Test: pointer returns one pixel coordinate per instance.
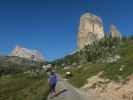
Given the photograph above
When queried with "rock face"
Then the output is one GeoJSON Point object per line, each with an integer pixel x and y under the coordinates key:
{"type": "Point", "coordinates": [105, 89]}
{"type": "Point", "coordinates": [90, 30]}
{"type": "Point", "coordinates": [27, 53]}
{"type": "Point", "coordinates": [114, 32]}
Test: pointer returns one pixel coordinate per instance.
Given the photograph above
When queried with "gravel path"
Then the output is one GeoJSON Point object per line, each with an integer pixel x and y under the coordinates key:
{"type": "Point", "coordinates": [71, 93]}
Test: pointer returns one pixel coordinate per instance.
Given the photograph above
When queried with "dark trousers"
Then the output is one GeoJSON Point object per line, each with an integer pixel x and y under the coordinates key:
{"type": "Point", "coordinates": [52, 87]}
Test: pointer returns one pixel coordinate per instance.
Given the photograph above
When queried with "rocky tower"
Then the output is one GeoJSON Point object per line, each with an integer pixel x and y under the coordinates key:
{"type": "Point", "coordinates": [27, 53]}
{"type": "Point", "coordinates": [114, 32]}
{"type": "Point", "coordinates": [90, 30]}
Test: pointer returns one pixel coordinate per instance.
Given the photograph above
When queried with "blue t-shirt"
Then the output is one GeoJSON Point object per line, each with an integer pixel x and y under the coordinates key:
{"type": "Point", "coordinates": [52, 79]}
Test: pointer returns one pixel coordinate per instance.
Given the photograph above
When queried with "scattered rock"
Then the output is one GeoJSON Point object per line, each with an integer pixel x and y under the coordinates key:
{"type": "Point", "coordinates": [111, 59]}
{"type": "Point", "coordinates": [121, 68]}
{"type": "Point", "coordinates": [109, 90]}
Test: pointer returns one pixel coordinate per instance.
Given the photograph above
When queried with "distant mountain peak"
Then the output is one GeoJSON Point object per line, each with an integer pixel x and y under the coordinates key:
{"type": "Point", "coordinates": [27, 53]}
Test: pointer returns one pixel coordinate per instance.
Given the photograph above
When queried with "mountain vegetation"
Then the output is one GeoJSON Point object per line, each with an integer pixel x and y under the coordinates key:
{"type": "Point", "coordinates": [91, 53]}
{"type": "Point", "coordinates": [22, 81]}
{"type": "Point", "coordinates": [111, 56]}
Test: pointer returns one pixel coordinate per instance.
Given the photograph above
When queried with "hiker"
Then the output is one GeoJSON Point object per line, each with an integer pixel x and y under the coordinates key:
{"type": "Point", "coordinates": [68, 75]}
{"type": "Point", "coordinates": [52, 79]}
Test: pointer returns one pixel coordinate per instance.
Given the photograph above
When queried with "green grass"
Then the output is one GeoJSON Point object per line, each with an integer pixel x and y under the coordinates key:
{"type": "Point", "coordinates": [23, 87]}
{"type": "Point", "coordinates": [110, 70]}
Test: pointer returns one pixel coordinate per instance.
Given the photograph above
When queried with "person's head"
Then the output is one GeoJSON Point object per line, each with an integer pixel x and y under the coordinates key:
{"type": "Point", "coordinates": [52, 72]}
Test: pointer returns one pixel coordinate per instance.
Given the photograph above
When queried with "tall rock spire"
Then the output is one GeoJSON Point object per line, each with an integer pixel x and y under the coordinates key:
{"type": "Point", "coordinates": [114, 32]}
{"type": "Point", "coordinates": [90, 30]}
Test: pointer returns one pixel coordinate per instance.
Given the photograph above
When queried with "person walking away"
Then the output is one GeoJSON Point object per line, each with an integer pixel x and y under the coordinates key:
{"type": "Point", "coordinates": [52, 79]}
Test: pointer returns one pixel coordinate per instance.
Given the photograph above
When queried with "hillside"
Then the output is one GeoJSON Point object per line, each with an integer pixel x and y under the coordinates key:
{"type": "Point", "coordinates": [103, 74]}
{"type": "Point", "coordinates": [110, 70]}
{"type": "Point", "coordinates": [21, 80]}
{"type": "Point", "coordinates": [23, 87]}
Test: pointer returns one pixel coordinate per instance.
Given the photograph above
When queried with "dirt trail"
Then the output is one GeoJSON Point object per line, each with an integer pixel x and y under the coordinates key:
{"type": "Point", "coordinates": [71, 93]}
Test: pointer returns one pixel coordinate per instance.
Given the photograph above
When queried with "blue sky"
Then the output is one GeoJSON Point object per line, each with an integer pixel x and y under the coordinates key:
{"type": "Point", "coordinates": [51, 26]}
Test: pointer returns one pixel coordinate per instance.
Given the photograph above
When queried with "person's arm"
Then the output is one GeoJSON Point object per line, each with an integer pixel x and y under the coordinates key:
{"type": "Point", "coordinates": [57, 78]}
{"type": "Point", "coordinates": [49, 79]}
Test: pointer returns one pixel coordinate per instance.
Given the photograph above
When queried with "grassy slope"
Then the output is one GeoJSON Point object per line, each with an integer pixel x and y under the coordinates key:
{"type": "Point", "coordinates": [23, 87]}
{"type": "Point", "coordinates": [111, 71]}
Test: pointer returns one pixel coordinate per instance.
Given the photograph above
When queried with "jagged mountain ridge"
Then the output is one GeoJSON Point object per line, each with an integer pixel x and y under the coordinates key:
{"type": "Point", "coordinates": [27, 53]}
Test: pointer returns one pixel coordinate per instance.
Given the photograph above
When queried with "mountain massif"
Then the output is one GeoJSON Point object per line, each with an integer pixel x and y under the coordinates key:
{"type": "Point", "coordinates": [27, 53]}
{"type": "Point", "coordinates": [91, 29]}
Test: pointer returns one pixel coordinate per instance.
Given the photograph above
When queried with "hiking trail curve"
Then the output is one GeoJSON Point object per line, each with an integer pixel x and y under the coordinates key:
{"type": "Point", "coordinates": [70, 93]}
